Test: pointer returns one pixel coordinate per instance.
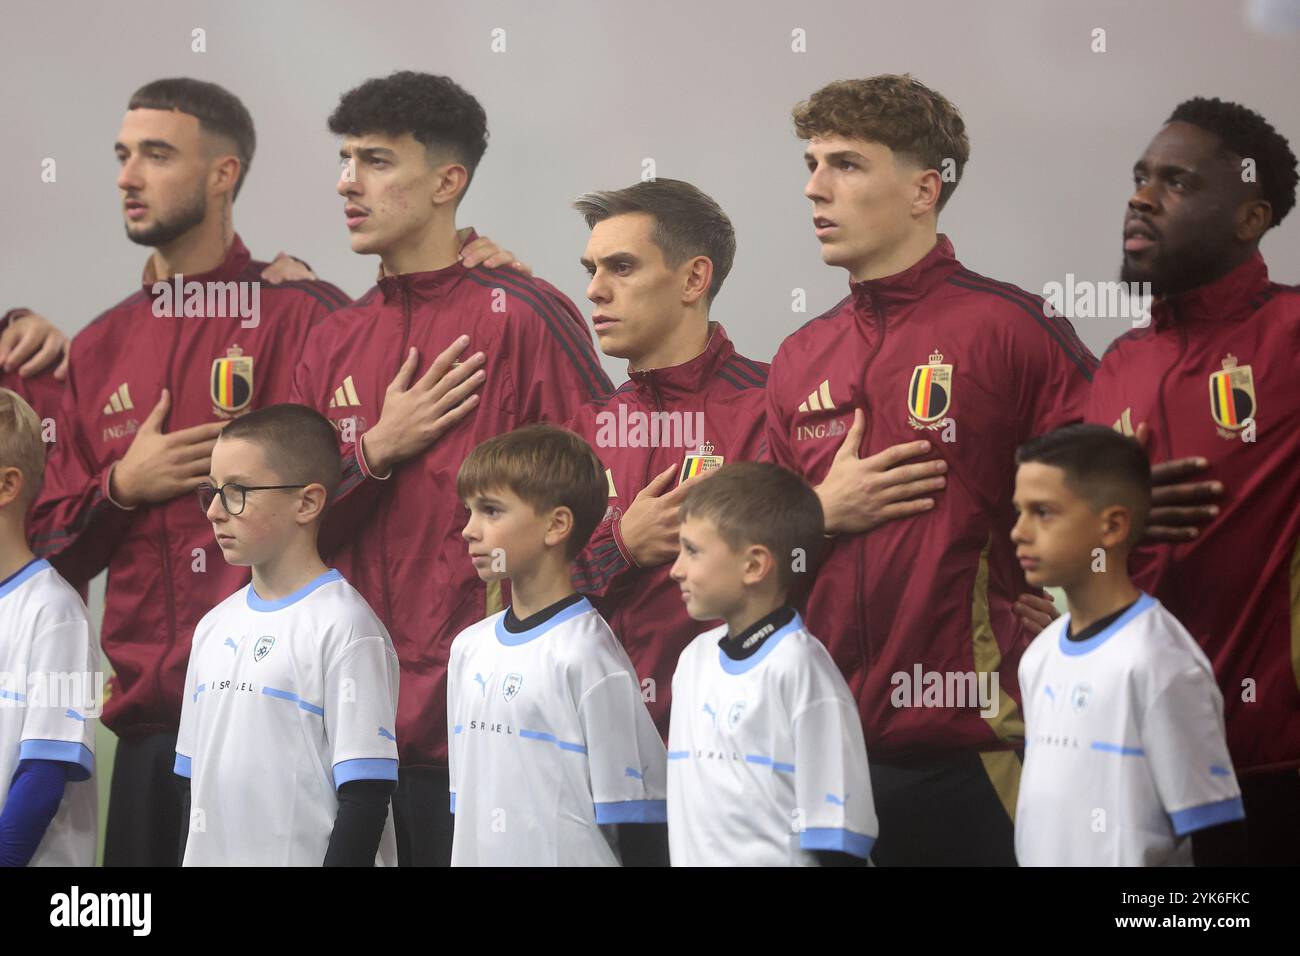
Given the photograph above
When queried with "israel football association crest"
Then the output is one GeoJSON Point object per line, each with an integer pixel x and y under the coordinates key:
{"type": "Point", "coordinates": [1232, 397]}
{"type": "Point", "coordinates": [263, 647]}
{"type": "Point", "coordinates": [929, 394]}
{"type": "Point", "coordinates": [703, 460]}
{"type": "Point", "coordinates": [511, 685]}
{"type": "Point", "coordinates": [232, 382]}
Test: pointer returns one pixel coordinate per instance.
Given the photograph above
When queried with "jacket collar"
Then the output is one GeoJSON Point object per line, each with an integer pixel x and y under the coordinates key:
{"type": "Point", "coordinates": [913, 283]}
{"type": "Point", "coordinates": [231, 268]}
{"type": "Point", "coordinates": [689, 377]}
{"type": "Point", "coordinates": [1229, 298]}
{"type": "Point", "coordinates": [423, 285]}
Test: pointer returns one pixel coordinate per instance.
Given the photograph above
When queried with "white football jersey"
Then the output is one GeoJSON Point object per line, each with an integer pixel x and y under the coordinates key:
{"type": "Point", "coordinates": [50, 697]}
{"type": "Point", "coordinates": [285, 702]}
{"type": "Point", "coordinates": [549, 741]}
{"type": "Point", "coordinates": [766, 758]}
{"type": "Point", "coordinates": [1124, 745]}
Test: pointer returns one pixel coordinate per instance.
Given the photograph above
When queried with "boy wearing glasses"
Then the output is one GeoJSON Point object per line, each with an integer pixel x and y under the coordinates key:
{"type": "Point", "coordinates": [286, 741]}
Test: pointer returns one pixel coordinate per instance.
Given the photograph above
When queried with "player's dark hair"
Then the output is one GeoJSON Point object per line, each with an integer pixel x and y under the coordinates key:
{"type": "Point", "coordinates": [687, 222]}
{"type": "Point", "coordinates": [219, 112]}
{"type": "Point", "coordinates": [754, 502]}
{"type": "Point", "coordinates": [1101, 466]}
{"type": "Point", "coordinates": [434, 109]}
{"type": "Point", "coordinates": [299, 443]}
{"type": "Point", "coordinates": [1247, 134]}
{"type": "Point", "coordinates": [545, 466]}
{"type": "Point", "coordinates": [897, 111]}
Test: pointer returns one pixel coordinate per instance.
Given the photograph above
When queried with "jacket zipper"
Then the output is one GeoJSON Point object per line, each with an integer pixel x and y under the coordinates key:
{"type": "Point", "coordinates": [864, 637]}
{"type": "Point", "coordinates": [1164, 415]}
{"type": "Point", "coordinates": [383, 518]}
{"type": "Point", "coordinates": [164, 544]}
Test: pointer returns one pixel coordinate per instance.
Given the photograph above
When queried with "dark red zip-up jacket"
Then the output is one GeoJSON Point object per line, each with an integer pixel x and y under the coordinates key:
{"type": "Point", "coordinates": [398, 540]}
{"type": "Point", "coordinates": [1215, 376]}
{"type": "Point", "coordinates": [974, 366]}
{"type": "Point", "coordinates": [165, 570]}
{"type": "Point", "coordinates": [644, 605]}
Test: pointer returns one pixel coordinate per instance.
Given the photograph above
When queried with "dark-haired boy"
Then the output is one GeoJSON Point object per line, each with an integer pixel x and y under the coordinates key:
{"type": "Point", "coordinates": [553, 755]}
{"type": "Point", "coordinates": [767, 763]}
{"type": "Point", "coordinates": [291, 694]}
{"type": "Point", "coordinates": [1125, 754]}
{"type": "Point", "coordinates": [411, 144]}
{"type": "Point", "coordinates": [1210, 384]}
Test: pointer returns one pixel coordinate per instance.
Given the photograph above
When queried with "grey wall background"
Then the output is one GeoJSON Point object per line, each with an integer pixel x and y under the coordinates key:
{"type": "Point", "coordinates": [586, 90]}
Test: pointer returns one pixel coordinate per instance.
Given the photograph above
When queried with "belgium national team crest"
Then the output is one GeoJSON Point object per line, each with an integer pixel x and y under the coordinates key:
{"type": "Point", "coordinates": [232, 382]}
{"type": "Point", "coordinates": [929, 394]}
{"type": "Point", "coordinates": [1232, 397]}
{"type": "Point", "coordinates": [702, 461]}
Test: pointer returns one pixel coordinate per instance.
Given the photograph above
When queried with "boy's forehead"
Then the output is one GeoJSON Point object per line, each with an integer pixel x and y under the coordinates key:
{"type": "Point", "coordinates": [234, 458]}
{"type": "Point", "coordinates": [1038, 478]}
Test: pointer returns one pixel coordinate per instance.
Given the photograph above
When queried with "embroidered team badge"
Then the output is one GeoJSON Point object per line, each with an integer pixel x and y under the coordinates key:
{"type": "Point", "coordinates": [929, 394]}
{"type": "Point", "coordinates": [510, 687]}
{"type": "Point", "coordinates": [1232, 397]}
{"type": "Point", "coordinates": [263, 647]}
{"type": "Point", "coordinates": [232, 382]}
{"type": "Point", "coordinates": [703, 460]}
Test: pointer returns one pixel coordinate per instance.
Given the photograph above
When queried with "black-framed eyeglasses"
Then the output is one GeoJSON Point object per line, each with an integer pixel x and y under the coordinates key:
{"type": "Point", "coordinates": [233, 495]}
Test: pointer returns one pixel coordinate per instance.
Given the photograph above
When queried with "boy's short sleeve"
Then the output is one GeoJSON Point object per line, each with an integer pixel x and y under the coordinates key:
{"type": "Point", "coordinates": [832, 783]}
{"type": "Point", "coordinates": [62, 698]}
{"type": "Point", "coordinates": [360, 704]}
{"type": "Point", "coordinates": [453, 730]}
{"type": "Point", "coordinates": [187, 735]}
{"type": "Point", "coordinates": [1183, 736]}
{"type": "Point", "coordinates": [626, 756]}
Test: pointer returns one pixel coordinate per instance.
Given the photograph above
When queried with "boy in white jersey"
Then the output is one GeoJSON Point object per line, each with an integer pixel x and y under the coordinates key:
{"type": "Point", "coordinates": [1125, 755]}
{"type": "Point", "coordinates": [49, 676]}
{"type": "Point", "coordinates": [767, 765]}
{"type": "Point", "coordinates": [554, 759]}
{"type": "Point", "coordinates": [286, 733]}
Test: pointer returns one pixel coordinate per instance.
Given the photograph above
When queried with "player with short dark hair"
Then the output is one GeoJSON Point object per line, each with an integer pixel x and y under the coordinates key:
{"type": "Point", "coordinates": [554, 760]}
{"type": "Point", "coordinates": [290, 674]}
{"type": "Point", "coordinates": [658, 254]}
{"type": "Point", "coordinates": [767, 764]}
{"type": "Point", "coordinates": [923, 358]}
{"type": "Point", "coordinates": [152, 382]}
{"type": "Point", "coordinates": [1125, 756]}
{"type": "Point", "coordinates": [1209, 384]}
{"type": "Point", "coordinates": [410, 144]}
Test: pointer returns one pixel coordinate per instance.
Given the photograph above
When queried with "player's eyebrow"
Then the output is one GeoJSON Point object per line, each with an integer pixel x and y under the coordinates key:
{"type": "Point", "coordinates": [367, 152]}
{"type": "Point", "coordinates": [482, 500]}
{"type": "Point", "coordinates": [614, 258]}
{"type": "Point", "coordinates": [160, 144]}
{"type": "Point", "coordinates": [836, 156]}
{"type": "Point", "coordinates": [1165, 170]}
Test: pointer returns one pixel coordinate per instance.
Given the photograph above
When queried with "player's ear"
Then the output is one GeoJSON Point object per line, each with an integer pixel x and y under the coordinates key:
{"type": "Point", "coordinates": [560, 526]}
{"type": "Point", "coordinates": [758, 564]}
{"type": "Point", "coordinates": [1116, 525]}
{"type": "Point", "coordinates": [927, 185]}
{"type": "Point", "coordinates": [312, 503]}
{"type": "Point", "coordinates": [11, 486]}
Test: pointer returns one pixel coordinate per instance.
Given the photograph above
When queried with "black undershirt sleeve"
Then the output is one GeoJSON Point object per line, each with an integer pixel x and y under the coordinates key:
{"type": "Point", "coordinates": [643, 844]}
{"type": "Point", "coordinates": [359, 824]}
{"type": "Point", "coordinates": [183, 785]}
{"type": "Point", "coordinates": [836, 858]}
{"type": "Point", "coordinates": [1222, 845]}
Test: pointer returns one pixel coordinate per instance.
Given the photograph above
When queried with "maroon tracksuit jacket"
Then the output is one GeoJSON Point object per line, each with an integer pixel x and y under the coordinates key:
{"type": "Point", "coordinates": [973, 365]}
{"type": "Point", "coordinates": [1216, 376]}
{"type": "Point", "coordinates": [165, 570]}
{"type": "Point", "coordinates": [644, 605]}
{"type": "Point", "coordinates": [398, 540]}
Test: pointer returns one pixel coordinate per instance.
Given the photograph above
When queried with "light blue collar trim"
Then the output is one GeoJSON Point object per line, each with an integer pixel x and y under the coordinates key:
{"type": "Point", "coordinates": [523, 637]}
{"type": "Point", "coordinates": [258, 603]}
{"type": "Point", "coordinates": [749, 663]}
{"type": "Point", "coordinates": [15, 580]}
{"type": "Point", "coordinates": [1075, 648]}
